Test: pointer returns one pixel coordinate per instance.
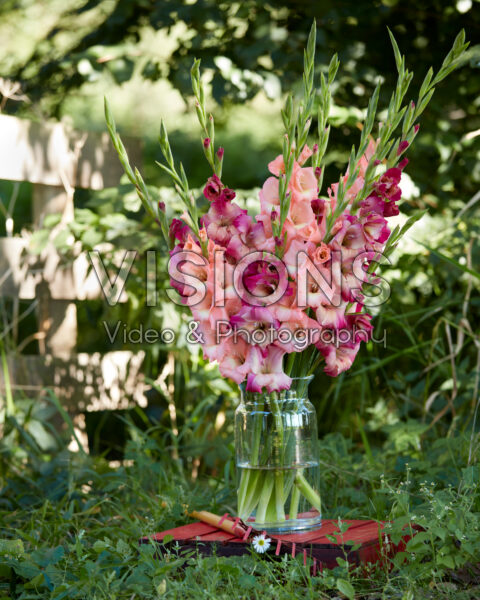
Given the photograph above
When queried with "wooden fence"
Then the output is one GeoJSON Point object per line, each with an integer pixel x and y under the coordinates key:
{"type": "Point", "coordinates": [57, 160]}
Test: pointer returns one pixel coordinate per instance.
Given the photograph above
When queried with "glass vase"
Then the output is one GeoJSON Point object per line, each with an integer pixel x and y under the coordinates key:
{"type": "Point", "coordinates": [276, 444]}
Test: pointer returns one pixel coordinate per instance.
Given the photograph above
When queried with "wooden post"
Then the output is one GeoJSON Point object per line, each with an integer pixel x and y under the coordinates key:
{"type": "Point", "coordinates": [57, 319]}
{"type": "Point", "coordinates": [56, 160]}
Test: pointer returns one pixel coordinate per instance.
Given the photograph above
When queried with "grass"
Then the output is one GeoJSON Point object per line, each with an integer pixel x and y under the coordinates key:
{"type": "Point", "coordinates": [70, 522]}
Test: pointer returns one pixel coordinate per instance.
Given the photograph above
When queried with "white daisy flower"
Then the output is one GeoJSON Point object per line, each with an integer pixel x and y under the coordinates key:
{"type": "Point", "coordinates": [261, 543]}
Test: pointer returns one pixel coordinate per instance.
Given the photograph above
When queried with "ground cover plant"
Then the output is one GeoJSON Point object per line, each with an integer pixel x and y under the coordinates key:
{"type": "Point", "coordinates": [399, 434]}
{"type": "Point", "coordinates": [70, 522]}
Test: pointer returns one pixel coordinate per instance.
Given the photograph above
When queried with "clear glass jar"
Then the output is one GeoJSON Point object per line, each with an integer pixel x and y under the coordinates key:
{"type": "Point", "coordinates": [276, 445]}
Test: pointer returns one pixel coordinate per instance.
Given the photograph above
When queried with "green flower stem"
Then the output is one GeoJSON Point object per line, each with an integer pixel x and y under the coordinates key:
{"type": "Point", "coordinates": [257, 434]}
{"type": "Point", "coordinates": [265, 497]}
{"type": "Point", "coordinates": [242, 491]}
{"type": "Point", "coordinates": [306, 489]}
{"type": "Point", "coordinates": [279, 496]}
{"type": "Point", "coordinates": [249, 479]}
{"type": "Point", "coordinates": [279, 456]}
{"type": "Point", "coordinates": [252, 497]}
{"type": "Point", "coordinates": [271, 514]}
{"type": "Point", "coordinates": [294, 501]}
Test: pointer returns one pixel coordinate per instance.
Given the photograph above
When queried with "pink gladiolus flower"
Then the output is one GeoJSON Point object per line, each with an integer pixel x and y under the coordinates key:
{"type": "Point", "coordinates": [256, 319]}
{"type": "Point", "coordinates": [260, 278]}
{"type": "Point", "coordinates": [366, 158]}
{"type": "Point", "coordinates": [213, 189]}
{"type": "Point", "coordinates": [270, 375]}
{"type": "Point", "coordinates": [375, 228]}
{"type": "Point", "coordinates": [303, 183]}
{"type": "Point", "coordinates": [220, 220]}
{"type": "Point", "coordinates": [387, 187]}
{"type": "Point", "coordinates": [325, 290]}
{"type": "Point", "coordinates": [331, 317]}
{"type": "Point", "coordinates": [321, 254]}
{"type": "Point", "coordinates": [296, 255]}
{"type": "Point", "coordinates": [361, 325]}
{"type": "Point", "coordinates": [206, 335]}
{"type": "Point", "coordinates": [202, 234]}
{"type": "Point", "coordinates": [372, 204]}
{"type": "Point", "coordinates": [178, 231]}
{"type": "Point", "coordinates": [219, 316]}
{"type": "Point", "coordinates": [391, 209]}
{"type": "Point", "coordinates": [236, 247]}
{"type": "Point", "coordinates": [277, 166]}
{"type": "Point", "coordinates": [351, 235]}
{"type": "Point", "coordinates": [341, 359]}
{"type": "Point", "coordinates": [301, 214]}
{"type": "Point", "coordinates": [305, 154]}
{"type": "Point", "coordinates": [286, 311]}
{"type": "Point", "coordinates": [228, 194]}
{"type": "Point", "coordinates": [237, 360]}
{"type": "Point", "coordinates": [197, 269]}
{"type": "Point", "coordinates": [269, 196]}
{"type": "Point", "coordinates": [242, 222]}
{"type": "Point", "coordinates": [296, 334]}
{"type": "Point", "coordinates": [338, 359]}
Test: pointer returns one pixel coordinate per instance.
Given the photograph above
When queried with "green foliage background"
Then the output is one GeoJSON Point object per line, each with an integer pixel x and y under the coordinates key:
{"type": "Point", "coordinates": [405, 410]}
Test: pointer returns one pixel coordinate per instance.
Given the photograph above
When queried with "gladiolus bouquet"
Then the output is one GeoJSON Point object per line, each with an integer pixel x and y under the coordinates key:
{"type": "Point", "coordinates": [276, 294]}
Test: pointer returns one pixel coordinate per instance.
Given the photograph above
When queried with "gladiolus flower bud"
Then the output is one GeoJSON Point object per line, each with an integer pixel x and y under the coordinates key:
{"type": "Point", "coordinates": [228, 194]}
{"type": "Point", "coordinates": [220, 152]}
{"type": "Point", "coordinates": [318, 172]}
{"type": "Point", "coordinates": [206, 143]}
{"type": "Point", "coordinates": [161, 206]}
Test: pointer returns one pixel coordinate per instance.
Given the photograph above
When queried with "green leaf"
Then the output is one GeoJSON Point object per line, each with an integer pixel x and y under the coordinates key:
{"type": "Point", "coordinates": [11, 548]}
{"type": "Point", "coordinates": [92, 237]}
{"type": "Point", "coordinates": [99, 546]}
{"type": "Point", "coordinates": [453, 262]}
{"type": "Point", "coordinates": [123, 548]}
{"type": "Point", "coordinates": [396, 51]}
{"type": "Point", "coordinates": [446, 561]}
{"type": "Point", "coordinates": [39, 241]}
{"type": "Point", "coordinates": [37, 581]}
{"type": "Point", "coordinates": [346, 588]}
{"type": "Point", "coordinates": [60, 241]}
{"type": "Point", "coordinates": [51, 220]}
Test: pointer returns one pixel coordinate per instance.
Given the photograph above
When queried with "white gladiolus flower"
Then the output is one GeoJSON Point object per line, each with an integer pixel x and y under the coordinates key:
{"type": "Point", "coordinates": [261, 543]}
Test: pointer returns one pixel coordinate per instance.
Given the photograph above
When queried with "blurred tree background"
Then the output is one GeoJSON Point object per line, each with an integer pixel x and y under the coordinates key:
{"type": "Point", "coordinates": [68, 56]}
